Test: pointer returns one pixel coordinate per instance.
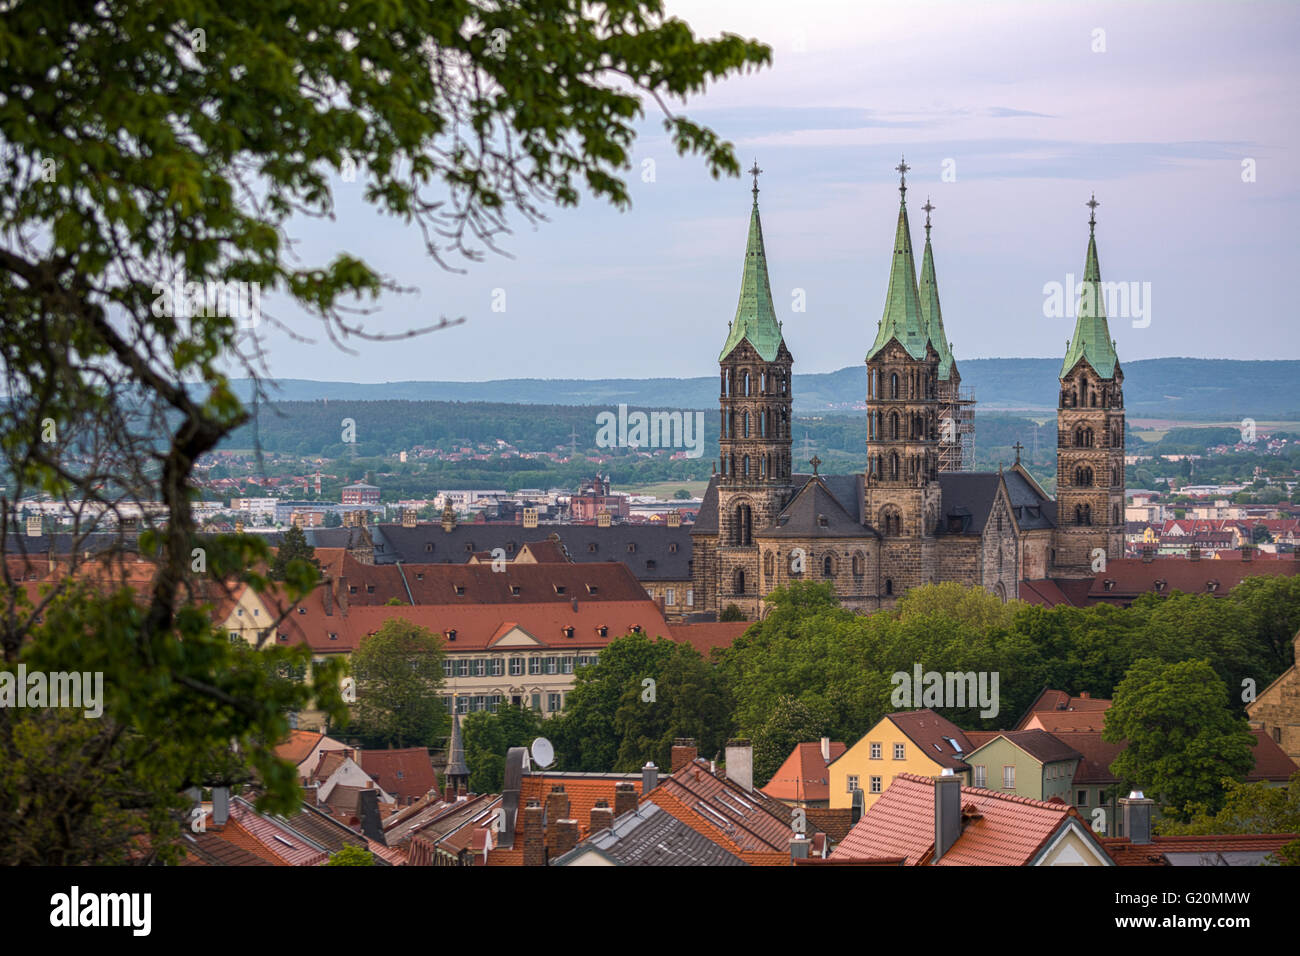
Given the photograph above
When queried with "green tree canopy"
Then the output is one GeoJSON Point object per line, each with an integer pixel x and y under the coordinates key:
{"type": "Point", "coordinates": [489, 736]}
{"type": "Point", "coordinates": [398, 672]}
{"type": "Point", "coordinates": [293, 547]}
{"type": "Point", "coordinates": [1182, 736]}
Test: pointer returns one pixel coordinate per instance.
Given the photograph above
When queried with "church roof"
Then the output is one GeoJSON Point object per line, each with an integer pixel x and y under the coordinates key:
{"type": "Point", "coordinates": [902, 319]}
{"type": "Point", "coordinates": [755, 320]}
{"type": "Point", "coordinates": [815, 512]}
{"type": "Point", "coordinates": [845, 491]}
{"type": "Point", "coordinates": [1032, 510]}
{"type": "Point", "coordinates": [968, 495]}
{"type": "Point", "coordinates": [1092, 342]}
{"type": "Point", "coordinates": [930, 309]}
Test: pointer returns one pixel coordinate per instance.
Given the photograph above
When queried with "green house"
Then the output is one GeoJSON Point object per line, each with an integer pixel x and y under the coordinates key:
{"type": "Point", "coordinates": [1028, 763]}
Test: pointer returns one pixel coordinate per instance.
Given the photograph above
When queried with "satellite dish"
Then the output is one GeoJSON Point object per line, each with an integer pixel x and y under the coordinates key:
{"type": "Point", "coordinates": [543, 752]}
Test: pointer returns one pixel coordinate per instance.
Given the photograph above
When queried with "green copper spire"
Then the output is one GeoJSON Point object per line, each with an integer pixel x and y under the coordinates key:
{"type": "Point", "coordinates": [902, 319]}
{"type": "Point", "coordinates": [755, 315]}
{"type": "Point", "coordinates": [930, 310]}
{"type": "Point", "coordinates": [1092, 340]}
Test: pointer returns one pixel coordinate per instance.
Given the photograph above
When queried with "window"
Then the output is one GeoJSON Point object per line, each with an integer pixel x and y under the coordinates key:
{"type": "Point", "coordinates": [875, 751]}
{"type": "Point", "coordinates": [981, 776]}
{"type": "Point", "coordinates": [900, 752]}
{"type": "Point", "coordinates": [670, 596]}
{"type": "Point", "coordinates": [537, 702]}
{"type": "Point", "coordinates": [875, 785]}
{"type": "Point", "coordinates": [552, 702]}
{"type": "Point", "coordinates": [493, 702]}
{"type": "Point", "coordinates": [496, 667]}
{"type": "Point", "coordinates": [552, 665]}
{"type": "Point", "coordinates": [516, 667]}
{"type": "Point", "coordinates": [690, 597]}
{"type": "Point", "coordinates": [1008, 778]}
{"type": "Point", "coordinates": [534, 665]}
{"type": "Point", "coordinates": [566, 665]}
{"type": "Point", "coordinates": [1081, 798]}
{"type": "Point", "coordinates": [650, 564]}
{"type": "Point", "coordinates": [446, 667]}
{"type": "Point", "coordinates": [460, 668]}
{"type": "Point", "coordinates": [462, 705]}
{"type": "Point", "coordinates": [853, 783]}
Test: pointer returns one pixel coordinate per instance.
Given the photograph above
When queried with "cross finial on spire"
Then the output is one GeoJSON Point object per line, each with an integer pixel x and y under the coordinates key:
{"type": "Point", "coordinates": [902, 168]}
{"type": "Point", "coordinates": [1019, 448]}
{"type": "Point", "coordinates": [1092, 205]}
{"type": "Point", "coordinates": [815, 462]}
{"type": "Point", "coordinates": [755, 171]}
{"type": "Point", "coordinates": [928, 207]}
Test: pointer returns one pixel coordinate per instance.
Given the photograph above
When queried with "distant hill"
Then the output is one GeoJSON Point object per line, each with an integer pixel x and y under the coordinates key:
{"type": "Point", "coordinates": [1187, 389]}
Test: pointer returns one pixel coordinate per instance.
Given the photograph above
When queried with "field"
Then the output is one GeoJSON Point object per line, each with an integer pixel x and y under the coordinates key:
{"type": "Point", "coordinates": [666, 489]}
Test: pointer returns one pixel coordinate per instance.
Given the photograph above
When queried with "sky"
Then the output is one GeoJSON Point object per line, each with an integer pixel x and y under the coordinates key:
{"type": "Point", "coordinates": [1183, 119]}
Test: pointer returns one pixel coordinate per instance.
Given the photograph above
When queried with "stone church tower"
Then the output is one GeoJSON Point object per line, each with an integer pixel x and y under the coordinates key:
{"type": "Point", "coordinates": [1090, 434]}
{"type": "Point", "coordinates": [901, 487]}
{"type": "Point", "coordinates": [754, 475]}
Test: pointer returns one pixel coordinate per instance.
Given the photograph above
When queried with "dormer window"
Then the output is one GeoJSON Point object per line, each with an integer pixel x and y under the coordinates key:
{"type": "Point", "coordinates": [333, 636]}
{"type": "Point", "coordinates": [459, 589]}
{"type": "Point", "coordinates": [603, 631]}
{"type": "Point", "coordinates": [821, 521]}
{"type": "Point", "coordinates": [1211, 586]}
{"type": "Point", "coordinates": [451, 634]}
{"type": "Point", "coordinates": [650, 564]}
{"type": "Point", "coordinates": [560, 589]}
{"type": "Point", "coordinates": [1160, 584]}
{"type": "Point", "coordinates": [636, 628]}
{"type": "Point", "coordinates": [428, 546]}
{"type": "Point", "coordinates": [302, 610]}
{"type": "Point", "coordinates": [672, 547]}
{"type": "Point", "coordinates": [370, 589]}
{"type": "Point", "coordinates": [514, 590]}
{"type": "Point", "coordinates": [591, 546]}
{"type": "Point", "coordinates": [592, 588]}
{"type": "Point", "coordinates": [568, 631]}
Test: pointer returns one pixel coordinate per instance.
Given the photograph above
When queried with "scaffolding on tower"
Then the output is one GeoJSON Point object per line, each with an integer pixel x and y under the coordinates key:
{"type": "Point", "coordinates": [956, 427]}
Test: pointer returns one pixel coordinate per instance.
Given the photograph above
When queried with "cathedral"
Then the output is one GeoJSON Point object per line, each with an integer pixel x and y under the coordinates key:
{"type": "Point", "coordinates": [916, 514]}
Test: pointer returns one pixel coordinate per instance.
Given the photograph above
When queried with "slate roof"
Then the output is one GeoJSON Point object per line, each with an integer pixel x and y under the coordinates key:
{"type": "Point", "coordinates": [651, 543]}
{"type": "Point", "coordinates": [1032, 510]}
{"type": "Point", "coordinates": [814, 512]}
{"type": "Point", "coordinates": [1041, 745]}
{"type": "Point", "coordinates": [650, 836]}
{"type": "Point", "coordinates": [844, 490]}
{"type": "Point", "coordinates": [968, 495]}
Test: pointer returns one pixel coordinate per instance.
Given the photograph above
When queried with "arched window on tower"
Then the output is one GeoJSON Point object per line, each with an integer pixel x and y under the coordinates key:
{"type": "Point", "coordinates": [738, 581]}
{"type": "Point", "coordinates": [893, 466]}
{"type": "Point", "coordinates": [828, 567]}
{"type": "Point", "coordinates": [858, 564]}
{"type": "Point", "coordinates": [726, 383]}
{"type": "Point", "coordinates": [893, 385]}
{"type": "Point", "coordinates": [893, 425]}
{"type": "Point", "coordinates": [744, 424]}
{"type": "Point", "coordinates": [762, 382]}
{"type": "Point", "coordinates": [768, 565]}
{"type": "Point", "coordinates": [1083, 437]}
{"type": "Point", "coordinates": [1083, 476]}
{"type": "Point", "coordinates": [745, 473]}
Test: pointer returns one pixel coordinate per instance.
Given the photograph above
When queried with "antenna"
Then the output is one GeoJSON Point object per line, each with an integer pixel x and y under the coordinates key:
{"type": "Point", "coordinates": [543, 753]}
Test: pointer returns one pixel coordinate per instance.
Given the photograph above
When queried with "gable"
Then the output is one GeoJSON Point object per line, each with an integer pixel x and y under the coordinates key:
{"type": "Point", "coordinates": [512, 635]}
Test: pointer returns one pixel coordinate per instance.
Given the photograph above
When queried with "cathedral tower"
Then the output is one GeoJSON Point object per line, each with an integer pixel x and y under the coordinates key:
{"type": "Point", "coordinates": [754, 471]}
{"type": "Point", "coordinates": [1090, 434]}
{"type": "Point", "coordinates": [956, 407]}
{"type": "Point", "coordinates": [901, 485]}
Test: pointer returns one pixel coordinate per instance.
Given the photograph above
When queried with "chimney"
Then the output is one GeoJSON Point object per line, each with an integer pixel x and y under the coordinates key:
{"type": "Point", "coordinates": [1246, 552]}
{"type": "Point", "coordinates": [602, 817]}
{"type": "Point", "coordinates": [557, 807]}
{"type": "Point", "coordinates": [409, 517]}
{"type": "Point", "coordinates": [1136, 810]}
{"type": "Point", "coordinates": [1148, 554]}
{"type": "Point", "coordinates": [947, 812]}
{"type": "Point", "coordinates": [674, 519]}
{"type": "Point", "coordinates": [859, 802]}
{"type": "Point", "coordinates": [826, 750]}
{"type": "Point", "coordinates": [534, 837]}
{"type": "Point", "coordinates": [740, 763]}
{"type": "Point", "coordinates": [684, 752]}
{"type": "Point", "coordinates": [566, 837]}
{"type": "Point", "coordinates": [368, 810]}
{"type": "Point", "coordinates": [220, 806]}
{"type": "Point", "coordinates": [649, 777]}
{"type": "Point", "coordinates": [799, 847]}
{"type": "Point", "coordinates": [343, 594]}
{"type": "Point", "coordinates": [327, 596]}
{"type": "Point", "coordinates": [624, 799]}
{"type": "Point", "coordinates": [1194, 553]}
{"type": "Point", "coordinates": [449, 793]}
{"type": "Point", "coordinates": [461, 792]}
{"type": "Point", "coordinates": [33, 526]}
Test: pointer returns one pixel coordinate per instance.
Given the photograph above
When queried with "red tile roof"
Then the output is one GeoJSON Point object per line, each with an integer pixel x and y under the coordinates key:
{"type": "Point", "coordinates": [1130, 577]}
{"type": "Point", "coordinates": [803, 775]}
{"type": "Point", "coordinates": [997, 830]}
{"type": "Point", "coordinates": [406, 774]}
{"type": "Point", "coordinates": [705, 637]}
{"type": "Point", "coordinates": [932, 733]}
{"type": "Point", "coordinates": [1126, 853]}
{"type": "Point", "coordinates": [298, 746]}
{"type": "Point", "coordinates": [1271, 762]}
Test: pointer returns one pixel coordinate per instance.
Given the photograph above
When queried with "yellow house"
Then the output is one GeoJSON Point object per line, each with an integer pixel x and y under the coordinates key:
{"type": "Point", "coordinates": [909, 741]}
